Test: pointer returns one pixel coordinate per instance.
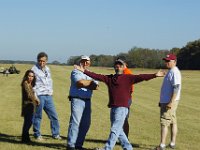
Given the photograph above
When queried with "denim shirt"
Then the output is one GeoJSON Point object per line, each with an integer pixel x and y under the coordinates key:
{"type": "Point", "coordinates": [77, 75]}
{"type": "Point", "coordinates": [44, 83]}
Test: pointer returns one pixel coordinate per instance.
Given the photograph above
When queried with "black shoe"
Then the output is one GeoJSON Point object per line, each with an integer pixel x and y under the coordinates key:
{"type": "Point", "coordinates": [80, 148]}
{"type": "Point", "coordinates": [70, 148]}
{"type": "Point", "coordinates": [25, 140]}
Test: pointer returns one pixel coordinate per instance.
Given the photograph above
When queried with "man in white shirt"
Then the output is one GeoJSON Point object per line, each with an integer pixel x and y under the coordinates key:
{"type": "Point", "coordinates": [169, 99]}
{"type": "Point", "coordinates": [44, 91]}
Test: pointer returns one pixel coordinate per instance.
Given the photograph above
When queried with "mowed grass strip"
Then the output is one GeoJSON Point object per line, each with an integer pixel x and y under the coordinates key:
{"type": "Point", "coordinates": [143, 119]}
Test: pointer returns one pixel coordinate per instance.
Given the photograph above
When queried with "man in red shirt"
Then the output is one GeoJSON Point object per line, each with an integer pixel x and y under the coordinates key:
{"type": "Point", "coordinates": [119, 87]}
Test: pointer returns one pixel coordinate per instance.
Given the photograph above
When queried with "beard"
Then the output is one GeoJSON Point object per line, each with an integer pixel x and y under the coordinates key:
{"type": "Point", "coordinates": [117, 71]}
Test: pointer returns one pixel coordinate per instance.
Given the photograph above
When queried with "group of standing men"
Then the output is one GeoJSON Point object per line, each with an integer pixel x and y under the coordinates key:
{"type": "Point", "coordinates": [120, 87]}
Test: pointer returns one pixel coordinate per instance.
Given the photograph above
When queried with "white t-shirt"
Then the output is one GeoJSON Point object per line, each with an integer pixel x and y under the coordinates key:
{"type": "Point", "coordinates": [172, 78]}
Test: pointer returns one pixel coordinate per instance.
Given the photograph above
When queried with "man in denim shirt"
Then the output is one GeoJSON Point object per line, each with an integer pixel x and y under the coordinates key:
{"type": "Point", "coordinates": [80, 97]}
{"type": "Point", "coordinates": [44, 91]}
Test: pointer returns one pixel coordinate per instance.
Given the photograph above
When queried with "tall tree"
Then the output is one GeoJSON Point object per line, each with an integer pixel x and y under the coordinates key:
{"type": "Point", "coordinates": [189, 56]}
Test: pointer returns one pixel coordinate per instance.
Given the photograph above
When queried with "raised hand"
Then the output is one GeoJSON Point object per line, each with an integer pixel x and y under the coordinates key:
{"type": "Point", "coordinates": [160, 73]}
{"type": "Point", "coordinates": [80, 68]}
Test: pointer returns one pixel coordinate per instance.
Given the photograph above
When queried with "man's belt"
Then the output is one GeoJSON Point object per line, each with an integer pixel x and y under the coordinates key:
{"type": "Point", "coordinates": [85, 99]}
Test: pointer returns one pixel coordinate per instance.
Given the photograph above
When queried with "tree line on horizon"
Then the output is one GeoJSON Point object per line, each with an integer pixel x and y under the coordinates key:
{"type": "Point", "coordinates": [188, 57]}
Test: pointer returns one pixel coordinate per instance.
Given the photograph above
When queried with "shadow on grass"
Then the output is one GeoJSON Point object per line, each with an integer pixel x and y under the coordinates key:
{"type": "Point", "coordinates": [138, 146]}
{"type": "Point", "coordinates": [17, 140]}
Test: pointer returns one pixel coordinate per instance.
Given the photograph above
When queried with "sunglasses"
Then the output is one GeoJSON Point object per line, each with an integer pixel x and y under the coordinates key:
{"type": "Point", "coordinates": [41, 61]}
{"type": "Point", "coordinates": [46, 73]}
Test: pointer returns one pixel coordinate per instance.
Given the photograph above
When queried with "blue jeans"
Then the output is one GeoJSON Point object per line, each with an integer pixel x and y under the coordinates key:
{"type": "Point", "coordinates": [46, 103]}
{"type": "Point", "coordinates": [117, 117]}
{"type": "Point", "coordinates": [79, 123]}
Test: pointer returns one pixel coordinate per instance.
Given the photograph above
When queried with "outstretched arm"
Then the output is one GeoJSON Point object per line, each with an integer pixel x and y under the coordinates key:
{"type": "Point", "coordinates": [160, 73]}
{"type": "Point", "coordinates": [93, 75]}
{"type": "Point", "coordinates": [146, 77]}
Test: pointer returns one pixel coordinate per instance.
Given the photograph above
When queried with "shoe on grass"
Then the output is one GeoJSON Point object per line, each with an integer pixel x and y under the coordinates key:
{"type": "Point", "coordinates": [160, 148]}
{"type": "Point", "coordinates": [39, 138]}
{"type": "Point", "coordinates": [99, 148]}
{"type": "Point", "coordinates": [25, 141]}
{"type": "Point", "coordinates": [70, 148]}
{"type": "Point", "coordinates": [172, 146]}
{"type": "Point", "coordinates": [57, 137]}
{"type": "Point", "coordinates": [80, 148]}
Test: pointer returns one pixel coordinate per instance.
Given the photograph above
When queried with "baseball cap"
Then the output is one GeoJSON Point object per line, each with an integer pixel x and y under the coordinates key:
{"type": "Point", "coordinates": [170, 57]}
{"type": "Point", "coordinates": [119, 61]}
{"type": "Point", "coordinates": [84, 57]}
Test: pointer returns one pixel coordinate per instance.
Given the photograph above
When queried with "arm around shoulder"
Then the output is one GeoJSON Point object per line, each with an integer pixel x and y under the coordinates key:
{"type": "Point", "coordinates": [89, 84]}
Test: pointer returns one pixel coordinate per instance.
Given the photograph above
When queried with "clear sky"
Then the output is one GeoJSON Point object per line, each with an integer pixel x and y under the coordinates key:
{"type": "Point", "coordinates": [65, 28]}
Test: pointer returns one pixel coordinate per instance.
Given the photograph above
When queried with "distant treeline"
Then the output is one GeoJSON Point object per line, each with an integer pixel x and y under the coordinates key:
{"type": "Point", "coordinates": [27, 62]}
{"type": "Point", "coordinates": [16, 62]}
{"type": "Point", "coordinates": [188, 57]}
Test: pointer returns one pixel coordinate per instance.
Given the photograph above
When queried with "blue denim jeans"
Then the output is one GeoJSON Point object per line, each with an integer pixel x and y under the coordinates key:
{"type": "Point", "coordinates": [79, 123]}
{"type": "Point", "coordinates": [117, 117]}
{"type": "Point", "coordinates": [46, 103]}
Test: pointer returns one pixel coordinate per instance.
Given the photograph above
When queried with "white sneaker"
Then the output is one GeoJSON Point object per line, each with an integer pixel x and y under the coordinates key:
{"type": "Point", "coordinates": [57, 137]}
{"type": "Point", "coordinates": [99, 148]}
{"type": "Point", "coordinates": [39, 138]}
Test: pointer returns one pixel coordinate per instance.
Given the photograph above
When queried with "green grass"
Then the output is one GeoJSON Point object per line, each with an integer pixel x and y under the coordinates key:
{"type": "Point", "coordinates": [144, 116]}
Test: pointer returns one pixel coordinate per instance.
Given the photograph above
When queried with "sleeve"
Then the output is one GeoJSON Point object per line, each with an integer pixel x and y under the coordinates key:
{"type": "Point", "coordinates": [76, 76]}
{"type": "Point", "coordinates": [175, 80]}
{"type": "Point", "coordinates": [99, 77]}
{"type": "Point", "coordinates": [29, 91]}
{"type": "Point", "coordinates": [141, 77]}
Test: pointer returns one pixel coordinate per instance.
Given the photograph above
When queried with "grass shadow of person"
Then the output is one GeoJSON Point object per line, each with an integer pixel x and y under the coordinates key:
{"type": "Point", "coordinates": [17, 140]}
{"type": "Point", "coordinates": [137, 146]}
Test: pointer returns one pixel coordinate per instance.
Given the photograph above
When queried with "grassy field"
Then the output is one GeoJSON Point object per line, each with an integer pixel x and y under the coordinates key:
{"type": "Point", "coordinates": [144, 116]}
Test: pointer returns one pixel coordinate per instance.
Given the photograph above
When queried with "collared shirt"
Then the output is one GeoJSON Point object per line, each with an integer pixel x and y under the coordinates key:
{"type": "Point", "coordinates": [76, 76]}
{"type": "Point", "coordinates": [44, 83]}
{"type": "Point", "coordinates": [172, 78]}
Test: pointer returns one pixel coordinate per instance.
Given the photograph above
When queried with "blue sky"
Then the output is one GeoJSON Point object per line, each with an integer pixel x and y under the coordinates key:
{"type": "Point", "coordinates": [65, 28]}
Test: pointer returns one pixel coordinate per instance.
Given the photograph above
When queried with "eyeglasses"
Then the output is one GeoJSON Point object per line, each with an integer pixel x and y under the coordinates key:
{"type": "Point", "coordinates": [167, 60]}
